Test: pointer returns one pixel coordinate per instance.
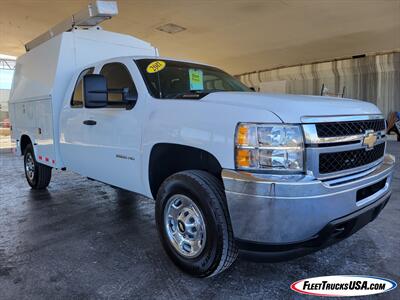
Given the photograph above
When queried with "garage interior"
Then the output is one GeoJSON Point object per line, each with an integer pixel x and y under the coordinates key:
{"type": "Point", "coordinates": [83, 239]}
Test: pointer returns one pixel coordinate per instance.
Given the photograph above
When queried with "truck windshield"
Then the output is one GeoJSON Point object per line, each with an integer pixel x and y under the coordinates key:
{"type": "Point", "coordinates": [167, 79]}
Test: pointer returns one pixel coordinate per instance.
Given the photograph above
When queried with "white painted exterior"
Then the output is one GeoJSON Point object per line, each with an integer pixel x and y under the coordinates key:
{"type": "Point", "coordinates": [43, 75]}
{"type": "Point", "coordinates": [42, 88]}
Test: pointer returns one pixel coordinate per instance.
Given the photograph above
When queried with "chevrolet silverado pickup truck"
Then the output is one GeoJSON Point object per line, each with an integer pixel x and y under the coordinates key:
{"type": "Point", "coordinates": [272, 176]}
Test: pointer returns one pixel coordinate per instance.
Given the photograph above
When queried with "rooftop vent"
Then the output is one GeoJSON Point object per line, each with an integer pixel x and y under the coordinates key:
{"type": "Point", "coordinates": [171, 28]}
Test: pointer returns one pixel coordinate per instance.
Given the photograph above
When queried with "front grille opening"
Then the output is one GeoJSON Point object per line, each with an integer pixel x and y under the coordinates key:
{"type": "Point", "coordinates": [370, 190]}
{"type": "Point", "coordinates": [339, 161]}
{"type": "Point", "coordinates": [335, 129]}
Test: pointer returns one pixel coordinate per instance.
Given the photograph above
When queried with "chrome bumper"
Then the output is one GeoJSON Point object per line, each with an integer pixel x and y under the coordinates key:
{"type": "Point", "coordinates": [290, 209]}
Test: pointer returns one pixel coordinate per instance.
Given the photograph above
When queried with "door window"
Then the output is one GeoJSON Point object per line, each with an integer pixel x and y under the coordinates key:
{"type": "Point", "coordinates": [77, 97]}
{"type": "Point", "coordinates": [118, 78]}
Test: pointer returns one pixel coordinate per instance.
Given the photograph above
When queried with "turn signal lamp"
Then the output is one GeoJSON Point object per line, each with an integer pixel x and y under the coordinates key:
{"type": "Point", "coordinates": [274, 147]}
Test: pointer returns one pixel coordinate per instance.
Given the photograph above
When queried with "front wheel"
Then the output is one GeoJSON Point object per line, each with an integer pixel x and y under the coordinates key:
{"type": "Point", "coordinates": [37, 175]}
{"type": "Point", "coordinates": [194, 223]}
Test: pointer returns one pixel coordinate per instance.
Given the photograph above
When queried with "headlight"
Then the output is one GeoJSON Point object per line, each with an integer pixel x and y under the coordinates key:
{"type": "Point", "coordinates": [269, 147]}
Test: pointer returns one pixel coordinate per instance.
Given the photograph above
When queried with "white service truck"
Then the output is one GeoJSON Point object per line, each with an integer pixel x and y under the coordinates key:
{"type": "Point", "coordinates": [275, 176]}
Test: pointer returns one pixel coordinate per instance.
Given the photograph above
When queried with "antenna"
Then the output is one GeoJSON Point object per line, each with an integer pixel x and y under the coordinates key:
{"type": "Point", "coordinates": [95, 13]}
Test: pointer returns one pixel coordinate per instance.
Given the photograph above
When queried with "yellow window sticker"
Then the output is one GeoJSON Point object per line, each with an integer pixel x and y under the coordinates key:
{"type": "Point", "coordinates": [155, 66]}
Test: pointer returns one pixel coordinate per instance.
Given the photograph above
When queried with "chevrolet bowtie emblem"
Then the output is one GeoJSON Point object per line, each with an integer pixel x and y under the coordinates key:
{"type": "Point", "coordinates": [370, 139]}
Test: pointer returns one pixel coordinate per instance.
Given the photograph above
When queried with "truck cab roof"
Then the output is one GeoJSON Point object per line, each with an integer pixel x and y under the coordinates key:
{"type": "Point", "coordinates": [152, 57]}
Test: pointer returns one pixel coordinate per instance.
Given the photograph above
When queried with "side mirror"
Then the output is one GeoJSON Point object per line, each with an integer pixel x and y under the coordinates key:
{"type": "Point", "coordinates": [129, 100]}
{"type": "Point", "coordinates": [95, 91]}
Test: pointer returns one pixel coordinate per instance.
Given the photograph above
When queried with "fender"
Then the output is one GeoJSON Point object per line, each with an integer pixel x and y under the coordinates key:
{"type": "Point", "coordinates": [197, 124]}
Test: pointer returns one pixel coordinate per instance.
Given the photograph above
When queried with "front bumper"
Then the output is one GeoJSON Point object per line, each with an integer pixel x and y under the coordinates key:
{"type": "Point", "coordinates": [278, 211]}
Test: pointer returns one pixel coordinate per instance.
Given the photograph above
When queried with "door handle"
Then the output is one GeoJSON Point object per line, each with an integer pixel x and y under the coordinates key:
{"type": "Point", "coordinates": [89, 122]}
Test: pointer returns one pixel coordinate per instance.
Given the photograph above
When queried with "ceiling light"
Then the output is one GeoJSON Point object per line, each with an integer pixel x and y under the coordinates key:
{"type": "Point", "coordinates": [171, 28]}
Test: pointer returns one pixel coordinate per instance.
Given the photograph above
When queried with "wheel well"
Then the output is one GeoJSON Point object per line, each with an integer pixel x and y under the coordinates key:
{"type": "Point", "coordinates": [25, 141]}
{"type": "Point", "coordinates": [167, 159]}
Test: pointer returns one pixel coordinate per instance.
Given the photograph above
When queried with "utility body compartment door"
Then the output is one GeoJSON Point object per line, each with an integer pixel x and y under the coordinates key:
{"type": "Point", "coordinates": [34, 118]}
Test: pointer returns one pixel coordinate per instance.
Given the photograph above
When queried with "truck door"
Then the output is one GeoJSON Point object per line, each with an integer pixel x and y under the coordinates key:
{"type": "Point", "coordinates": [73, 132]}
{"type": "Point", "coordinates": [115, 132]}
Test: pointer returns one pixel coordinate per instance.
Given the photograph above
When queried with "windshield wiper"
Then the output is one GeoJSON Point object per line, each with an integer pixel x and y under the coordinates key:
{"type": "Point", "coordinates": [213, 91]}
{"type": "Point", "coordinates": [198, 94]}
{"type": "Point", "coordinates": [183, 95]}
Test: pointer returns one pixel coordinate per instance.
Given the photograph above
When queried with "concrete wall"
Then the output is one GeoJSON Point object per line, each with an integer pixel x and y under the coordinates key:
{"type": "Point", "coordinates": [373, 78]}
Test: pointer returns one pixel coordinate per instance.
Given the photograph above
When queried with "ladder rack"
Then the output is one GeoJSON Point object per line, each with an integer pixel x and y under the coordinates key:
{"type": "Point", "coordinates": [95, 13]}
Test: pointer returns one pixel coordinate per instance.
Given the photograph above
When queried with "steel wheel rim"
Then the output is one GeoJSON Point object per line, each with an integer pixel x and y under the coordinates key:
{"type": "Point", "coordinates": [185, 226]}
{"type": "Point", "coordinates": [30, 166]}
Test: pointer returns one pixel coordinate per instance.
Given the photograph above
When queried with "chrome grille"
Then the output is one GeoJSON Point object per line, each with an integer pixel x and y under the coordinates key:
{"type": "Point", "coordinates": [344, 160]}
{"type": "Point", "coordinates": [335, 144]}
{"type": "Point", "coordinates": [337, 129]}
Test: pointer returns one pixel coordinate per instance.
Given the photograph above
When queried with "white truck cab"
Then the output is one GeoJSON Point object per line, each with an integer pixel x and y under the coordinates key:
{"type": "Point", "coordinates": [274, 176]}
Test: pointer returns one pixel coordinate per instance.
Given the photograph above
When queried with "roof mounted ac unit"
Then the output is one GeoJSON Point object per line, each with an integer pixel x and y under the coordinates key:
{"type": "Point", "coordinates": [96, 12]}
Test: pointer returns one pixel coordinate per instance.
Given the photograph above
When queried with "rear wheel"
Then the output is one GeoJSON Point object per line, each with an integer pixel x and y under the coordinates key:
{"type": "Point", "coordinates": [194, 224]}
{"type": "Point", "coordinates": [37, 175]}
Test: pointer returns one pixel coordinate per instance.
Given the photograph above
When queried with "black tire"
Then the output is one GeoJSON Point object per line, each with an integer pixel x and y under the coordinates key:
{"type": "Point", "coordinates": [40, 177]}
{"type": "Point", "coordinates": [207, 192]}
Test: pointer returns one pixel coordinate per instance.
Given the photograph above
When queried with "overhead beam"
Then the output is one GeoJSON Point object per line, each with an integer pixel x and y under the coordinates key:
{"type": "Point", "coordinates": [7, 64]}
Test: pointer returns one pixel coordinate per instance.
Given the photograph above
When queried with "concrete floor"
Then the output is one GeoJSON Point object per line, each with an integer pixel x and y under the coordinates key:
{"type": "Point", "coordinates": [83, 239]}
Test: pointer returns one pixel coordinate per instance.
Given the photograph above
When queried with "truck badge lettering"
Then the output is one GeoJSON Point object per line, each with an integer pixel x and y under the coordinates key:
{"type": "Point", "coordinates": [124, 157]}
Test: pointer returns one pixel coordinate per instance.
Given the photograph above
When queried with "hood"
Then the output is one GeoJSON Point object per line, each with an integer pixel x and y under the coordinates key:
{"type": "Point", "coordinates": [291, 108]}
